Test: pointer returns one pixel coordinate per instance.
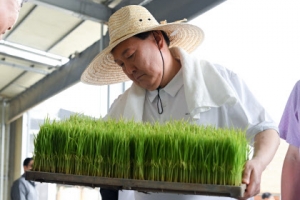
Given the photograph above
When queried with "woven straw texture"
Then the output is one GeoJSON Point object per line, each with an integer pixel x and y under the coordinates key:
{"type": "Point", "coordinates": [127, 22]}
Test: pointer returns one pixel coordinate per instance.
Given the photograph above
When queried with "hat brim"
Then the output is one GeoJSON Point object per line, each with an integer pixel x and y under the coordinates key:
{"type": "Point", "coordinates": [104, 71]}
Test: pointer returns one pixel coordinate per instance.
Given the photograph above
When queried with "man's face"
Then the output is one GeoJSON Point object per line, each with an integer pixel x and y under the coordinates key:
{"type": "Point", "coordinates": [141, 61]}
{"type": "Point", "coordinates": [29, 166]}
{"type": "Point", "coordinates": [9, 13]}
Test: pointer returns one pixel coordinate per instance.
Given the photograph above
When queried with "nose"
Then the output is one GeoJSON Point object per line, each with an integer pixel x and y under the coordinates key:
{"type": "Point", "coordinates": [130, 68]}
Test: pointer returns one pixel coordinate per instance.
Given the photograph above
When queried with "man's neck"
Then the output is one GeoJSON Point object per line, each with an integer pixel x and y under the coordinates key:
{"type": "Point", "coordinates": [172, 66]}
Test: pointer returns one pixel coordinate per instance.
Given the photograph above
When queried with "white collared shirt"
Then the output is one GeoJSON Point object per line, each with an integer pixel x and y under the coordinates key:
{"type": "Point", "coordinates": [173, 102]}
{"type": "Point", "coordinates": [246, 113]}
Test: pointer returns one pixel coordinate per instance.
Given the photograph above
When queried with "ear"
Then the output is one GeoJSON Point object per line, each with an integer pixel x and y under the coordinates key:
{"type": "Point", "coordinates": [159, 38]}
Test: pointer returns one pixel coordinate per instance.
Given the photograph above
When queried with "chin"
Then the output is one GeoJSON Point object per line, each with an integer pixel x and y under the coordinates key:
{"type": "Point", "coordinates": [150, 87]}
{"type": "Point", "coordinates": [147, 87]}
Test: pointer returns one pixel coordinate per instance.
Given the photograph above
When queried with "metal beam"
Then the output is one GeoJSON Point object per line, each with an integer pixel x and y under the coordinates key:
{"type": "Point", "coordinates": [86, 10]}
{"type": "Point", "coordinates": [3, 55]}
{"type": "Point", "coordinates": [29, 69]}
{"type": "Point", "coordinates": [31, 51]}
{"type": "Point", "coordinates": [173, 11]}
{"type": "Point", "coordinates": [123, 3]}
{"type": "Point", "coordinates": [57, 81]}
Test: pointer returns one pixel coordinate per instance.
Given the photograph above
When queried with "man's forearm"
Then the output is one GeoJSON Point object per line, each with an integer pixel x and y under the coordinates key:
{"type": "Point", "coordinates": [265, 146]}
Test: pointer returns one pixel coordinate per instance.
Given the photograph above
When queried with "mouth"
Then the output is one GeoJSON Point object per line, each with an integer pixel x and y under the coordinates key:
{"type": "Point", "coordinates": [139, 77]}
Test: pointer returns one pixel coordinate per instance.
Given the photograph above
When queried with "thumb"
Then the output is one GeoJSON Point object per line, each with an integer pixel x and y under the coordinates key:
{"type": "Point", "coordinates": [246, 175]}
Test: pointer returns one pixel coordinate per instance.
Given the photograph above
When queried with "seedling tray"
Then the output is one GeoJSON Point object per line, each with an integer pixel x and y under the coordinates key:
{"type": "Point", "coordinates": [138, 185]}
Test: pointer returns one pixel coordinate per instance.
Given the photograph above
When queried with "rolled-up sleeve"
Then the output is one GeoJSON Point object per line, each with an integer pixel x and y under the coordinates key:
{"type": "Point", "coordinates": [248, 111]}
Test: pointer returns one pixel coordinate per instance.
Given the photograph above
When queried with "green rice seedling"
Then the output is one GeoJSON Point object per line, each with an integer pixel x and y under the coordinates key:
{"type": "Point", "coordinates": [98, 159]}
{"type": "Point", "coordinates": [137, 144]}
{"type": "Point", "coordinates": [176, 151]}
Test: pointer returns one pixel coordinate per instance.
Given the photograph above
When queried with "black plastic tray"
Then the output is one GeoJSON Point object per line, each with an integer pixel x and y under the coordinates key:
{"type": "Point", "coordinates": [138, 185]}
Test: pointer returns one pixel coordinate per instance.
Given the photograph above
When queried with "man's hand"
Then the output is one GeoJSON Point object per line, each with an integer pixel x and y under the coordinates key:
{"type": "Point", "coordinates": [265, 146]}
{"type": "Point", "coordinates": [252, 178]}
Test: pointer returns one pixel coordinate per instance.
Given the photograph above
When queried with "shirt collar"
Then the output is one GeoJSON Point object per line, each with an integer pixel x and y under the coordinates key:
{"type": "Point", "coordinates": [171, 88]}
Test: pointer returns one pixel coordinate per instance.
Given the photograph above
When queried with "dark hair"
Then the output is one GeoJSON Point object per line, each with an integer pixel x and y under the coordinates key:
{"type": "Point", "coordinates": [27, 161]}
{"type": "Point", "coordinates": [266, 195]}
{"type": "Point", "coordinates": [144, 35]}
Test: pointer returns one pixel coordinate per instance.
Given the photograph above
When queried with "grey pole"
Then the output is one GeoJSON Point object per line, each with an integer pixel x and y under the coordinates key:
{"type": "Point", "coordinates": [2, 150]}
{"type": "Point", "coordinates": [101, 48]}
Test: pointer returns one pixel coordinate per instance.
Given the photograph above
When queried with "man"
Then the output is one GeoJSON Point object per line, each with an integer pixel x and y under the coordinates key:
{"type": "Point", "coordinates": [289, 131]}
{"type": "Point", "coordinates": [267, 196]}
{"type": "Point", "coordinates": [23, 189]}
{"type": "Point", "coordinates": [9, 13]}
{"type": "Point", "coordinates": [168, 83]}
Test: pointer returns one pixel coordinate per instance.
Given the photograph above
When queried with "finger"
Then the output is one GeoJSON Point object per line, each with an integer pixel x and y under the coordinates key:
{"type": "Point", "coordinates": [246, 179]}
{"type": "Point", "coordinates": [246, 175]}
{"type": "Point", "coordinates": [254, 187]}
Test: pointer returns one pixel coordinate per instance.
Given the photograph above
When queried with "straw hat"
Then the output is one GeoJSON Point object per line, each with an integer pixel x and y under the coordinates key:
{"type": "Point", "coordinates": [127, 22]}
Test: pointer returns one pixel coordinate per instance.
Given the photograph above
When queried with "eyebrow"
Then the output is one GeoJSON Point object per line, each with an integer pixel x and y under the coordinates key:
{"type": "Point", "coordinates": [123, 53]}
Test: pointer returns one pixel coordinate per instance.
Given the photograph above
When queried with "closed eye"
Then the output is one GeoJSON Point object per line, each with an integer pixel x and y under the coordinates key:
{"type": "Point", "coordinates": [131, 56]}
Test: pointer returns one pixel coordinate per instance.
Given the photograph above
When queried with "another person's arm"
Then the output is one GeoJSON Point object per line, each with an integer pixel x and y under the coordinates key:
{"type": "Point", "coordinates": [289, 127]}
{"type": "Point", "coordinates": [265, 147]}
{"type": "Point", "coordinates": [290, 179]}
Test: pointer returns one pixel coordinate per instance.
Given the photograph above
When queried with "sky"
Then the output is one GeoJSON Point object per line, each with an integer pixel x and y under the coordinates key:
{"type": "Point", "coordinates": [257, 39]}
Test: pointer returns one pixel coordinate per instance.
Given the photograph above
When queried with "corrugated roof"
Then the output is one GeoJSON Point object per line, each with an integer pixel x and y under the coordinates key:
{"type": "Point", "coordinates": [70, 29]}
{"type": "Point", "coordinates": [45, 29]}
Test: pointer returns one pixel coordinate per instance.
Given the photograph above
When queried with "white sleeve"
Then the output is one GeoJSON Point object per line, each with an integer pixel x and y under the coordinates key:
{"type": "Point", "coordinates": [248, 109]}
